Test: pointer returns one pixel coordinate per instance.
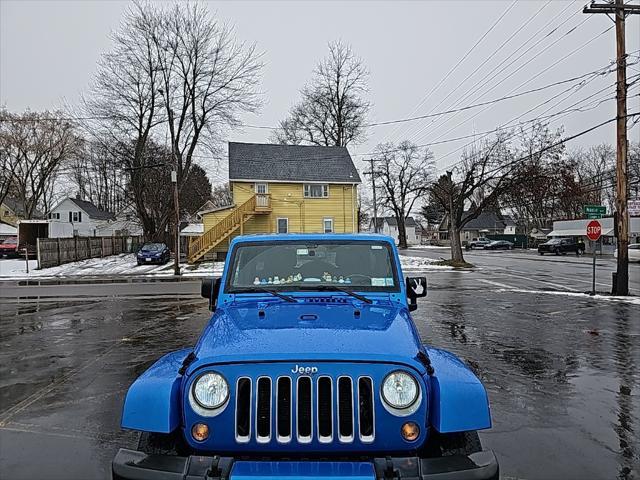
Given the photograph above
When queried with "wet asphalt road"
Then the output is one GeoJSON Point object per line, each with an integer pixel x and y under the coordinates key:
{"type": "Point", "coordinates": [562, 371]}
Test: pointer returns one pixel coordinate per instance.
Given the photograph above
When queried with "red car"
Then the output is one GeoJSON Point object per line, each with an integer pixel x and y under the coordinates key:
{"type": "Point", "coordinates": [9, 247]}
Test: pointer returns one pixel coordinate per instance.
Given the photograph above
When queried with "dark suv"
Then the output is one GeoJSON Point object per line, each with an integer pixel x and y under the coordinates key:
{"type": "Point", "coordinates": [561, 246]}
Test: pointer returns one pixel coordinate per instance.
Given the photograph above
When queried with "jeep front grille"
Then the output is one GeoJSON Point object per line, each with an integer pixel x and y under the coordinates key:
{"type": "Point", "coordinates": [305, 408]}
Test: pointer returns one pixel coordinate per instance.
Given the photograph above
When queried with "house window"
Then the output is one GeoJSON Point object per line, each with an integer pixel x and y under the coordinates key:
{"type": "Point", "coordinates": [327, 225]}
{"type": "Point", "coordinates": [75, 217]}
{"type": "Point", "coordinates": [283, 225]}
{"type": "Point", "coordinates": [261, 188]}
{"type": "Point", "coordinates": [316, 190]}
{"type": "Point", "coordinates": [54, 216]}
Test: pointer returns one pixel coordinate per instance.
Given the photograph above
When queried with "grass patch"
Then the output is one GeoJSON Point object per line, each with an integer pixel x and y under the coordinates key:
{"type": "Point", "coordinates": [454, 264]}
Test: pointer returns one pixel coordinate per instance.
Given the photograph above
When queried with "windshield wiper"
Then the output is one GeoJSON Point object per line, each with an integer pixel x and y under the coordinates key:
{"type": "Point", "coordinates": [286, 298]}
{"type": "Point", "coordinates": [334, 288]}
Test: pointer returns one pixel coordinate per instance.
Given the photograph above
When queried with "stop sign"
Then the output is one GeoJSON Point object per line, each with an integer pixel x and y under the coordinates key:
{"type": "Point", "coordinates": [594, 230]}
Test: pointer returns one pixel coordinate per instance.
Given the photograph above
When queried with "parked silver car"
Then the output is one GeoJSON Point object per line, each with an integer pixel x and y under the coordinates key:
{"type": "Point", "coordinates": [634, 252]}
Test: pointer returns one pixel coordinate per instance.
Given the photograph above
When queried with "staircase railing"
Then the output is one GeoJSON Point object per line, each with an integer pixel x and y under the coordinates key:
{"type": "Point", "coordinates": [221, 230]}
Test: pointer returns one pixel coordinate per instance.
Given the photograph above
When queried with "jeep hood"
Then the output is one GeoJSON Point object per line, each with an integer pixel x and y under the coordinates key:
{"type": "Point", "coordinates": [280, 331]}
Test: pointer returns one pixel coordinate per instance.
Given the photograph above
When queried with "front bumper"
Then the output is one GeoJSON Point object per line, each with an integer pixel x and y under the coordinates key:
{"type": "Point", "coordinates": [135, 465]}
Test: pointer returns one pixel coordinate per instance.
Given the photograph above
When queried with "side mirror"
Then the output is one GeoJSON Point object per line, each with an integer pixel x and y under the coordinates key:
{"type": "Point", "coordinates": [209, 290]}
{"type": "Point", "coordinates": [416, 288]}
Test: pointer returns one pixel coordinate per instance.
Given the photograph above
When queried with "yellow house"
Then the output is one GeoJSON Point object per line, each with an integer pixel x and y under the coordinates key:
{"type": "Point", "coordinates": [282, 189]}
{"type": "Point", "coordinates": [11, 210]}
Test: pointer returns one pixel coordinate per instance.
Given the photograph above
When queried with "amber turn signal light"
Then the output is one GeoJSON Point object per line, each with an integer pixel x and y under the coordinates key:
{"type": "Point", "coordinates": [200, 431]}
{"type": "Point", "coordinates": [410, 431]}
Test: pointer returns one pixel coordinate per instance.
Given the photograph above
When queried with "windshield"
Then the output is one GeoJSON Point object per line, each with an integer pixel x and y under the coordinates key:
{"type": "Point", "coordinates": [292, 265]}
{"type": "Point", "coordinates": [152, 247]}
{"type": "Point", "coordinates": [554, 240]}
{"type": "Point", "coordinates": [10, 240]}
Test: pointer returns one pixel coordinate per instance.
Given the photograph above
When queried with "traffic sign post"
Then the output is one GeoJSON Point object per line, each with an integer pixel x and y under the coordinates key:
{"type": "Point", "coordinates": [594, 211]}
{"type": "Point", "coordinates": [594, 230]}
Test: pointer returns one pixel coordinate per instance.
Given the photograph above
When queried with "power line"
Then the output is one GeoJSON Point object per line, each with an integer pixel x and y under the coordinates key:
{"type": "Point", "coordinates": [495, 52]}
{"type": "Point", "coordinates": [554, 145]}
{"type": "Point", "coordinates": [573, 52]}
{"type": "Point", "coordinates": [504, 67]}
{"type": "Point", "coordinates": [562, 113]}
{"type": "Point", "coordinates": [599, 71]}
{"type": "Point", "coordinates": [433, 89]}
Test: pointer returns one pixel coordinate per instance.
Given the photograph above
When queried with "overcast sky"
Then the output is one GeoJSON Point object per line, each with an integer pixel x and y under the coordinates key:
{"type": "Point", "coordinates": [49, 51]}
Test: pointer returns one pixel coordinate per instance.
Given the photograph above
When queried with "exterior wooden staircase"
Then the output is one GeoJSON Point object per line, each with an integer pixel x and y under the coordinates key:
{"type": "Point", "coordinates": [257, 204]}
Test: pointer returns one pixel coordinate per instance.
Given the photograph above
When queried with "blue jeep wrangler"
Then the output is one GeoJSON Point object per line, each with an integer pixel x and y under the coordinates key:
{"type": "Point", "coordinates": [310, 367]}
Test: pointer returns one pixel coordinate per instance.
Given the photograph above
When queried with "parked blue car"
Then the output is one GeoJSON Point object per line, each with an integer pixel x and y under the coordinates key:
{"type": "Point", "coordinates": [310, 367]}
{"type": "Point", "coordinates": [151, 253]}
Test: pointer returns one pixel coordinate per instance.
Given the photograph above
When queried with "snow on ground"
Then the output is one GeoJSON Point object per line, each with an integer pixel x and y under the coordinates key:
{"type": "Point", "coordinates": [428, 247]}
{"type": "Point", "coordinates": [112, 265]}
{"type": "Point", "coordinates": [125, 264]}
{"type": "Point", "coordinates": [420, 263]}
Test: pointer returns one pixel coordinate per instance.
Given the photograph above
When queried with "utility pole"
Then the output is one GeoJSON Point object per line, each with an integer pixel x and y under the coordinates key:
{"type": "Point", "coordinates": [621, 217]}
{"type": "Point", "coordinates": [176, 203]}
{"type": "Point", "coordinates": [174, 180]}
{"type": "Point", "coordinates": [375, 202]}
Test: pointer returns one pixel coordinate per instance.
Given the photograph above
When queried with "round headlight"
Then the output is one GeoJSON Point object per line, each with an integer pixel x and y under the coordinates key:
{"type": "Point", "coordinates": [399, 390]}
{"type": "Point", "coordinates": [211, 390]}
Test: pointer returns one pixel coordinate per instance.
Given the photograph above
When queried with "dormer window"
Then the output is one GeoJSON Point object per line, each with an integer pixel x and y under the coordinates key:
{"type": "Point", "coordinates": [316, 190]}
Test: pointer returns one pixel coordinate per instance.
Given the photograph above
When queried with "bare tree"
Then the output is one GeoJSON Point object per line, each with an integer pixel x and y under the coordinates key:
{"type": "Point", "coordinates": [95, 174]}
{"type": "Point", "coordinates": [333, 109]}
{"type": "Point", "coordinates": [35, 146]}
{"type": "Point", "coordinates": [174, 73]}
{"type": "Point", "coordinates": [482, 176]}
{"type": "Point", "coordinates": [8, 164]}
{"type": "Point", "coordinates": [123, 103]}
{"type": "Point", "coordinates": [221, 196]}
{"type": "Point", "coordinates": [405, 172]}
{"type": "Point", "coordinates": [634, 169]}
{"type": "Point", "coordinates": [544, 167]}
{"type": "Point", "coordinates": [595, 169]}
{"type": "Point", "coordinates": [207, 78]}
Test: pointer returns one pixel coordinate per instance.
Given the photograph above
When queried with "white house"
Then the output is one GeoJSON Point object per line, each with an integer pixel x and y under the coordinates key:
{"type": "Point", "coordinates": [125, 223]}
{"type": "Point", "coordinates": [389, 226]}
{"type": "Point", "coordinates": [85, 218]}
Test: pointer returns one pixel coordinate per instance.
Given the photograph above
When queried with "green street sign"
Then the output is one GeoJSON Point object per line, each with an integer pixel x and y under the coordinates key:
{"type": "Point", "coordinates": [594, 211]}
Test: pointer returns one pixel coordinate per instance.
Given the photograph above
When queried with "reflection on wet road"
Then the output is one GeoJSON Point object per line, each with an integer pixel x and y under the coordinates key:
{"type": "Point", "coordinates": [64, 370]}
{"type": "Point", "coordinates": [562, 373]}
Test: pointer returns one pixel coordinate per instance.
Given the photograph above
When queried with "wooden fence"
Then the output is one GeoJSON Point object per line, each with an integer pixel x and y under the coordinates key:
{"type": "Point", "coordinates": [58, 251]}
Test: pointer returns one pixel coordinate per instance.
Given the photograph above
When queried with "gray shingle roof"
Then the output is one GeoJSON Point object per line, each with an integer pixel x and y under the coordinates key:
{"type": "Point", "coordinates": [92, 210]}
{"type": "Point", "coordinates": [488, 220]}
{"type": "Point", "coordinates": [408, 221]}
{"type": "Point", "coordinates": [295, 163]}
